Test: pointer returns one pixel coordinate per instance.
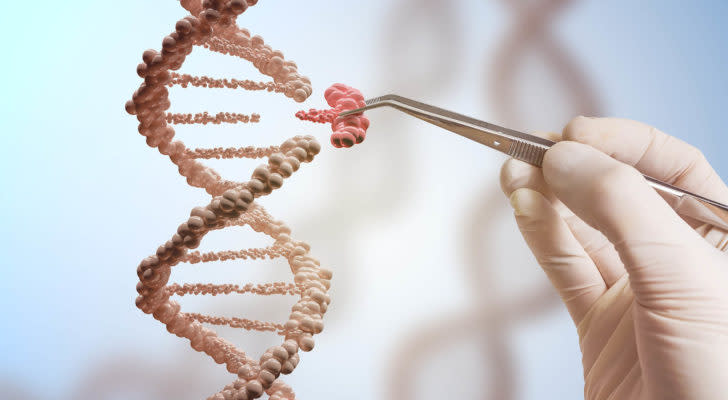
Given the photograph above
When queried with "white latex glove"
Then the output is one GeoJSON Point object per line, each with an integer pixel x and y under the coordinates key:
{"type": "Point", "coordinates": [648, 293]}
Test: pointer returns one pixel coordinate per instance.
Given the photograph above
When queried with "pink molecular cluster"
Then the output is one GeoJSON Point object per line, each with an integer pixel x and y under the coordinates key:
{"type": "Point", "coordinates": [348, 130]}
{"type": "Point", "coordinates": [211, 25]}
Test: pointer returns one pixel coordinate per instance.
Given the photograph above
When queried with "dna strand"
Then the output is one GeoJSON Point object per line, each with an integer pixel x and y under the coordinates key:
{"type": "Point", "coordinates": [348, 130]}
{"type": "Point", "coordinates": [212, 25]}
{"type": "Point", "coordinates": [531, 31]}
{"type": "Point", "coordinates": [493, 316]}
{"type": "Point", "coordinates": [408, 23]}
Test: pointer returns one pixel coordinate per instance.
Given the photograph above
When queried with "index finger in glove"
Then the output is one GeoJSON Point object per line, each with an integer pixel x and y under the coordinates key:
{"type": "Point", "coordinates": [650, 151]}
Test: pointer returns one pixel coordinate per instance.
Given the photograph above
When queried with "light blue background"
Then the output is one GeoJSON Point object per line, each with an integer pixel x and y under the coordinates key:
{"type": "Point", "coordinates": [83, 199]}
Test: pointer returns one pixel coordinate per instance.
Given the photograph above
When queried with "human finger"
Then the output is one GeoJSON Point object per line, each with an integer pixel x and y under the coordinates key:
{"type": "Point", "coordinates": [516, 174]}
{"type": "Point", "coordinates": [570, 269]}
{"type": "Point", "coordinates": [651, 151]}
{"type": "Point", "coordinates": [616, 199]}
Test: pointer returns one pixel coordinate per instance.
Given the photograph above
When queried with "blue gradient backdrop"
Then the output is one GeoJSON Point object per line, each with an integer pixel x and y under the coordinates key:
{"type": "Point", "coordinates": [83, 199]}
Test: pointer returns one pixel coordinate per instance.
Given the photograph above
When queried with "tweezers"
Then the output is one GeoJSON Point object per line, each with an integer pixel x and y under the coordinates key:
{"type": "Point", "coordinates": [531, 149]}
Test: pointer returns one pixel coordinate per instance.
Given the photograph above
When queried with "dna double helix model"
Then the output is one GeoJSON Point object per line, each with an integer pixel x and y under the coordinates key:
{"type": "Point", "coordinates": [212, 25]}
{"type": "Point", "coordinates": [532, 32]}
{"type": "Point", "coordinates": [492, 315]}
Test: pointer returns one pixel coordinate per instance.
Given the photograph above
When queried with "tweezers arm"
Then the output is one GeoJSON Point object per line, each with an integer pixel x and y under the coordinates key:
{"type": "Point", "coordinates": [518, 145]}
{"type": "Point", "coordinates": [531, 149]}
{"type": "Point", "coordinates": [531, 153]}
{"type": "Point", "coordinates": [691, 205]}
{"type": "Point", "coordinates": [493, 140]}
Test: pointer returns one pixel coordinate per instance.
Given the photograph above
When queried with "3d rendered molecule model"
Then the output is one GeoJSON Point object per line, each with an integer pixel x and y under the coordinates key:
{"type": "Point", "coordinates": [212, 25]}
{"type": "Point", "coordinates": [347, 130]}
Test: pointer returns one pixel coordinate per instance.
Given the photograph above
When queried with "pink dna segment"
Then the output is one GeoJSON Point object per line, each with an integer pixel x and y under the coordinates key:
{"type": "Point", "coordinates": [348, 130]}
{"type": "Point", "coordinates": [211, 25]}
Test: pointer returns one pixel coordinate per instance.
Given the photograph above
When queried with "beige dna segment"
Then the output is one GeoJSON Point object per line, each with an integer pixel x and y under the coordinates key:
{"type": "Point", "coordinates": [211, 24]}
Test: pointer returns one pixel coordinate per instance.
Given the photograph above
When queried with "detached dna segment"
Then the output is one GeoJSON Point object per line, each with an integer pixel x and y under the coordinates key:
{"type": "Point", "coordinates": [211, 24]}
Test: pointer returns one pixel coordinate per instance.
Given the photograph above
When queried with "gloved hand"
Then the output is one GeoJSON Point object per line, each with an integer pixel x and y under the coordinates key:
{"type": "Point", "coordinates": [647, 292]}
